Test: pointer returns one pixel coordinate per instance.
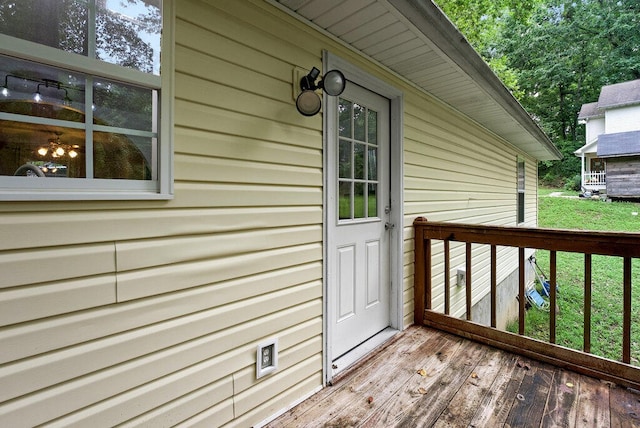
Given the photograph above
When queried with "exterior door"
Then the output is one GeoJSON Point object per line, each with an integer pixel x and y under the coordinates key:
{"type": "Point", "coordinates": [358, 220]}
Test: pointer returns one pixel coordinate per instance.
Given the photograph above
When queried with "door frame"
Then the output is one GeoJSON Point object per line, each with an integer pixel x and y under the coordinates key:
{"type": "Point", "coordinates": [360, 77]}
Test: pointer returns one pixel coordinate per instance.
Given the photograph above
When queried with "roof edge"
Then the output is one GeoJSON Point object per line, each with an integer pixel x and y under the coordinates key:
{"type": "Point", "coordinates": [434, 24]}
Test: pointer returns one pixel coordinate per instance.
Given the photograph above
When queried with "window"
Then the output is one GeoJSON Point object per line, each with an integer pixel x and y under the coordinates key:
{"type": "Point", "coordinates": [82, 110]}
{"type": "Point", "coordinates": [521, 174]}
{"type": "Point", "coordinates": [357, 162]}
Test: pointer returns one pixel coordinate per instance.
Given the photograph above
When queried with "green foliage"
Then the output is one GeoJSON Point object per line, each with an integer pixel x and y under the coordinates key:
{"type": "Point", "coordinates": [606, 323]}
{"type": "Point", "coordinates": [554, 56]}
{"type": "Point", "coordinates": [573, 183]}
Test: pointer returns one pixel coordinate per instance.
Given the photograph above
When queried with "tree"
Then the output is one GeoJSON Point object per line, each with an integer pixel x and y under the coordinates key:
{"type": "Point", "coordinates": [558, 54]}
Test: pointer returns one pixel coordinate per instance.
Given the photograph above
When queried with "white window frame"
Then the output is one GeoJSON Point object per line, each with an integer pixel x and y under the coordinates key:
{"type": "Point", "coordinates": [160, 187]}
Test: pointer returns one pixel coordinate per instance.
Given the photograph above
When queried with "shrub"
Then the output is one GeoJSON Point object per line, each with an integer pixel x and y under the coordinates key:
{"type": "Point", "coordinates": [573, 183]}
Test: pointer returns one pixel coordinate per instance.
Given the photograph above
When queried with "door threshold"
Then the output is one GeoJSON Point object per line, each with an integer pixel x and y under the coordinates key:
{"type": "Point", "coordinates": [347, 360]}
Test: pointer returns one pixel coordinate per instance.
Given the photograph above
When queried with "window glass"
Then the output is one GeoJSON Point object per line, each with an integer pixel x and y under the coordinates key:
{"type": "Point", "coordinates": [128, 33]}
{"type": "Point", "coordinates": [123, 106]}
{"type": "Point", "coordinates": [344, 161]}
{"type": "Point", "coordinates": [372, 202]}
{"type": "Point", "coordinates": [359, 122]}
{"type": "Point", "coordinates": [39, 150]}
{"type": "Point", "coordinates": [60, 24]}
{"type": "Point", "coordinates": [345, 109]}
{"type": "Point", "coordinates": [59, 122]}
{"type": "Point", "coordinates": [357, 161]}
{"type": "Point", "coordinates": [344, 200]}
{"type": "Point", "coordinates": [121, 156]}
{"type": "Point", "coordinates": [32, 89]}
{"type": "Point", "coordinates": [359, 201]}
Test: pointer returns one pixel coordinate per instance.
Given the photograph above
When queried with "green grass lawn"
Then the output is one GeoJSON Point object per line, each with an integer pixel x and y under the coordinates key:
{"type": "Point", "coordinates": [606, 337]}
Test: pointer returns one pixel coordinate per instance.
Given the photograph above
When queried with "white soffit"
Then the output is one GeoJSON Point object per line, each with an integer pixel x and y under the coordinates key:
{"type": "Point", "coordinates": [418, 42]}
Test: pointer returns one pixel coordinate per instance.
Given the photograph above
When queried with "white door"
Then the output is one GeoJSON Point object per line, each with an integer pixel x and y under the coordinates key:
{"type": "Point", "coordinates": [358, 215]}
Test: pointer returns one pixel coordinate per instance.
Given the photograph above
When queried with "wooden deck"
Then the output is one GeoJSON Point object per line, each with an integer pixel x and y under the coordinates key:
{"type": "Point", "coordinates": [424, 377]}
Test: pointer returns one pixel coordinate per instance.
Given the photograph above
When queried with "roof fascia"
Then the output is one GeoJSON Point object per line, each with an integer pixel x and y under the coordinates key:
{"type": "Point", "coordinates": [434, 24]}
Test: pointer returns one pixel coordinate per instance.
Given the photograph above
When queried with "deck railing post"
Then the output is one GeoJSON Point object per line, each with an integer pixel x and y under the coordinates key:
{"type": "Point", "coordinates": [419, 275]}
{"type": "Point", "coordinates": [615, 244]}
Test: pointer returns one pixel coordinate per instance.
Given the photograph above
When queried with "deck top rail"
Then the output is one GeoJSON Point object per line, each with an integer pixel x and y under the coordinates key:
{"type": "Point", "coordinates": [588, 243]}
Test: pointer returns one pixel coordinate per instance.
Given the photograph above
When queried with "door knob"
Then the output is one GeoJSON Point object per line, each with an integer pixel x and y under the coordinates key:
{"type": "Point", "coordinates": [388, 226]}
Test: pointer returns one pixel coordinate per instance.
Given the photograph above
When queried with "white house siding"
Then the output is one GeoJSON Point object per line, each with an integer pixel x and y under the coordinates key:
{"type": "Point", "coordinates": [594, 128]}
{"type": "Point", "coordinates": [149, 312]}
{"type": "Point", "coordinates": [622, 119]}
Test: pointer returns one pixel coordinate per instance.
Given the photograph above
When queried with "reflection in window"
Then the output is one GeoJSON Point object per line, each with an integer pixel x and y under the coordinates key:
{"type": "Point", "coordinates": [127, 33]}
{"type": "Point", "coordinates": [357, 161]}
{"type": "Point", "coordinates": [43, 129]}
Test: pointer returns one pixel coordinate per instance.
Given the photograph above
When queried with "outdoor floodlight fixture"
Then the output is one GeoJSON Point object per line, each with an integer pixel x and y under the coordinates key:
{"type": "Point", "coordinates": [308, 102]}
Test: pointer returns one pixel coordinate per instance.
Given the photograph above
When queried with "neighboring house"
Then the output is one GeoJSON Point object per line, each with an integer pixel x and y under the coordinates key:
{"type": "Point", "coordinates": [611, 155]}
{"type": "Point", "coordinates": [195, 218]}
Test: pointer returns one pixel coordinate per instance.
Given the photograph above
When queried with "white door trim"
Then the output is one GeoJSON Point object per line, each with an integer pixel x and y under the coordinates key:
{"type": "Point", "coordinates": [362, 78]}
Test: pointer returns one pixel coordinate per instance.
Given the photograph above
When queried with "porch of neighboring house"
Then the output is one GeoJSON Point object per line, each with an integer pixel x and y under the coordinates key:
{"type": "Point", "coordinates": [447, 371]}
{"type": "Point", "coordinates": [594, 177]}
{"type": "Point", "coordinates": [426, 377]}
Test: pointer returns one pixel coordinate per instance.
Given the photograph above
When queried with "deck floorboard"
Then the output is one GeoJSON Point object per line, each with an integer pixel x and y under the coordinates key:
{"type": "Point", "coordinates": [424, 377]}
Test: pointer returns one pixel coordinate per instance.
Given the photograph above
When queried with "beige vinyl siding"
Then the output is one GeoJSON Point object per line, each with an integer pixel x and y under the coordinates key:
{"type": "Point", "coordinates": [149, 312]}
{"type": "Point", "coordinates": [457, 172]}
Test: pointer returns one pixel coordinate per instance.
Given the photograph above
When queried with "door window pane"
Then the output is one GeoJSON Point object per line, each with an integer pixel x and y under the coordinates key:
{"type": "Point", "coordinates": [359, 201]}
{"type": "Point", "coordinates": [344, 201]}
{"type": "Point", "coordinates": [359, 122]}
{"type": "Point", "coordinates": [372, 161]}
{"type": "Point", "coordinates": [372, 201]}
{"type": "Point", "coordinates": [359, 160]}
{"type": "Point", "coordinates": [372, 127]}
{"type": "Point", "coordinates": [344, 159]}
{"type": "Point", "coordinates": [345, 109]}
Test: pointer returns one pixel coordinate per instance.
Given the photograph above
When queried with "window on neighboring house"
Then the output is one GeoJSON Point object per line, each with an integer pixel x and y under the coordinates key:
{"type": "Point", "coordinates": [521, 175]}
{"type": "Point", "coordinates": [82, 111]}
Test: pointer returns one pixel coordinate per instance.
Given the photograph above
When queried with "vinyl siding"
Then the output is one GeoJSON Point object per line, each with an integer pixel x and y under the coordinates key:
{"type": "Point", "coordinates": [149, 312]}
{"type": "Point", "coordinates": [457, 172]}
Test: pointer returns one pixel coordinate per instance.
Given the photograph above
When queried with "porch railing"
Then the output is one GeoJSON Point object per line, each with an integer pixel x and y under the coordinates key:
{"type": "Point", "coordinates": [624, 245]}
{"type": "Point", "coordinates": [594, 178]}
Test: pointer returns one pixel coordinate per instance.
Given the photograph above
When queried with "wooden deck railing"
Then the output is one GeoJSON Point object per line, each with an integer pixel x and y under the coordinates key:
{"type": "Point", "coordinates": [624, 245]}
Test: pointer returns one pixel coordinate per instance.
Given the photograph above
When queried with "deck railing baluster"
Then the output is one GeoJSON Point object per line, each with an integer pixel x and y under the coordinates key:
{"type": "Point", "coordinates": [552, 297]}
{"type": "Point", "coordinates": [494, 286]}
{"type": "Point", "coordinates": [587, 303]}
{"type": "Point", "coordinates": [522, 301]}
{"type": "Point", "coordinates": [626, 312]}
{"type": "Point", "coordinates": [468, 280]}
{"type": "Point", "coordinates": [447, 278]}
{"type": "Point", "coordinates": [586, 242]}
